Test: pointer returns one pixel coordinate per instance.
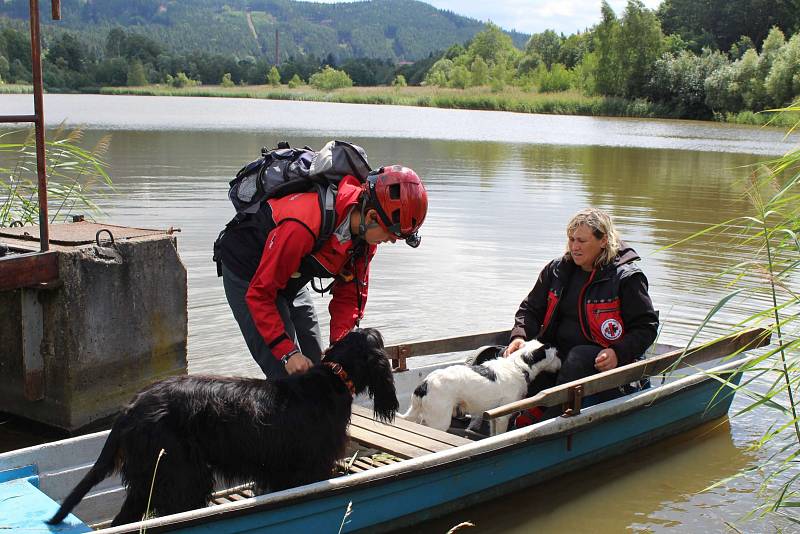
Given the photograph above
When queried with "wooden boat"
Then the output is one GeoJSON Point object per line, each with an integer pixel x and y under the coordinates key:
{"type": "Point", "coordinates": [403, 473]}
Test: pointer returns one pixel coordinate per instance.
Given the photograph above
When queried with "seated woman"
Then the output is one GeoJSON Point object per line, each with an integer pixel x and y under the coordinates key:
{"type": "Point", "coordinates": [591, 304]}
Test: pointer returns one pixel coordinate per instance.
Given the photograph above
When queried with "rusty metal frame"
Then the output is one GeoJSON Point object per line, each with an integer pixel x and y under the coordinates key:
{"type": "Point", "coordinates": [37, 269]}
{"type": "Point", "coordinates": [38, 116]}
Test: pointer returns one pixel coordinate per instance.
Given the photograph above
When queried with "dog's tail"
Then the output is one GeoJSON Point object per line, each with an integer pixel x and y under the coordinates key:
{"type": "Point", "coordinates": [414, 411]}
{"type": "Point", "coordinates": [101, 469]}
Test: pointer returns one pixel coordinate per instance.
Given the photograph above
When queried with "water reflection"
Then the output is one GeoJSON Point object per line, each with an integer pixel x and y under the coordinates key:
{"type": "Point", "coordinates": [647, 495]}
{"type": "Point", "coordinates": [393, 122]}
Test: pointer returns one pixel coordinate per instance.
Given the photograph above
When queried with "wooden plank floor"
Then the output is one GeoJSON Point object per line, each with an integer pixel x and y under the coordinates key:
{"type": "Point", "coordinates": [400, 438]}
{"type": "Point", "coordinates": [375, 444]}
{"type": "Point", "coordinates": [360, 460]}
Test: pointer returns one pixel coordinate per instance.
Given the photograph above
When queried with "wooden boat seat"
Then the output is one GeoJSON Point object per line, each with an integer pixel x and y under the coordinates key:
{"type": "Point", "coordinates": [400, 438]}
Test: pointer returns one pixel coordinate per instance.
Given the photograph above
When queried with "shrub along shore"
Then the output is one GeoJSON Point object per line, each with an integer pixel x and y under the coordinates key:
{"type": "Point", "coordinates": [510, 99]}
{"type": "Point", "coordinates": [481, 98]}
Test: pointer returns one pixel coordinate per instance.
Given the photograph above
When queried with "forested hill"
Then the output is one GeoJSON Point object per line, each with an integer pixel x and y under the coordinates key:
{"type": "Point", "coordinates": [385, 29]}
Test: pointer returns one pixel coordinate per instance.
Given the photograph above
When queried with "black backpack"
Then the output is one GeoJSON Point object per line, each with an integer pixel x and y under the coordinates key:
{"type": "Point", "coordinates": [284, 171]}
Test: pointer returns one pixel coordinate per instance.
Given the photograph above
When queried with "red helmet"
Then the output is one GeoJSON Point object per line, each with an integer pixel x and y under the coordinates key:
{"type": "Point", "coordinates": [400, 199]}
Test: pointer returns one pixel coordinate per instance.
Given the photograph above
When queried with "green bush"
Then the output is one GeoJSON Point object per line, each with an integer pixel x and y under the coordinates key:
{"type": "Point", "coordinates": [460, 77]}
{"type": "Point", "coordinates": [226, 80]}
{"type": "Point", "coordinates": [399, 81]}
{"type": "Point", "coordinates": [136, 74]}
{"type": "Point", "coordinates": [558, 78]}
{"type": "Point", "coordinates": [274, 77]}
{"type": "Point", "coordinates": [329, 79]}
{"type": "Point", "coordinates": [480, 71]}
{"type": "Point", "coordinates": [681, 80]}
{"type": "Point", "coordinates": [783, 81]}
{"type": "Point", "coordinates": [181, 80]}
{"type": "Point", "coordinates": [296, 81]}
{"type": "Point", "coordinates": [439, 73]}
{"type": "Point", "coordinates": [585, 74]}
{"type": "Point", "coordinates": [723, 90]}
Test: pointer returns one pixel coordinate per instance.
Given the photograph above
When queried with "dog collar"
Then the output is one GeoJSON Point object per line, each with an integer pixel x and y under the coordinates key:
{"type": "Point", "coordinates": [338, 371]}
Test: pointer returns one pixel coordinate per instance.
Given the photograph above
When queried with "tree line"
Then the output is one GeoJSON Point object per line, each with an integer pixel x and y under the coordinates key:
{"type": "Point", "coordinates": [128, 58]}
{"type": "Point", "coordinates": [400, 30]}
{"type": "Point", "coordinates": [720, 57]}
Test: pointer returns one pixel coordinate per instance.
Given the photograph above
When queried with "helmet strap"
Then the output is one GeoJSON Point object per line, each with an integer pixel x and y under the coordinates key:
{"type": "Point", "coordinates": [362, 225]}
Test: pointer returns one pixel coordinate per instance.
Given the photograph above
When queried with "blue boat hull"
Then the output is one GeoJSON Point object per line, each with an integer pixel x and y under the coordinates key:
{"type": "Point", "coordinates": [440, 488]}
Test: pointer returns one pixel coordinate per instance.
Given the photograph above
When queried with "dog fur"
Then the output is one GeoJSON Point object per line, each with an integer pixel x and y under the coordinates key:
{"type": "Point", "coordinates": [279, 433]}
{"type": "Point", "coordinates": [473, 389]}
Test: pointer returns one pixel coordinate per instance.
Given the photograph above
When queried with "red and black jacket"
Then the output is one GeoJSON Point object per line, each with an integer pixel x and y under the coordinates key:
{"type": "Point", "coordinates": [286, 263]}
{"type": "Point", "coordinates": [615, 311]}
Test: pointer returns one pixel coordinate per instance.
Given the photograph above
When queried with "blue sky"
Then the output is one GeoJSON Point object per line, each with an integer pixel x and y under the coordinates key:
{"type": "Point", "coordinates": [532, 16]}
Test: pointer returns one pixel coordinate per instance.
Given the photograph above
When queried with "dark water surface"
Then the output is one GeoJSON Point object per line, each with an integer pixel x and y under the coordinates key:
{"type": "Point", "coordinates": [502, 187]}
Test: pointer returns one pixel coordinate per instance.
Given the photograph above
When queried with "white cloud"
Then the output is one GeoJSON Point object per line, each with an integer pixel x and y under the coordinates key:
{"type": "Point", "coordinates": [532, 16]}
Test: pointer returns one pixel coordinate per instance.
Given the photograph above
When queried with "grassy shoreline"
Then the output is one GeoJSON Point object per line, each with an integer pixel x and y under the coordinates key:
{"type": "Point", "coordinates": [511, 99]}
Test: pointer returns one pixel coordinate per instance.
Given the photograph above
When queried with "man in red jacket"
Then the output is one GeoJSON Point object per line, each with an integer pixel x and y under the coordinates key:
{"type": "Point", "coordinates": [266, 284]}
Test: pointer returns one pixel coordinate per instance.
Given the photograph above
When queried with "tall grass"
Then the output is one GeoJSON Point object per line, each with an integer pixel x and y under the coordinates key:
{"type": "Point", "coordinates": [771, 231]}
{"type": "Point", "coordinates": [511, 99]}
{"type": "Point", "coordinates": [780, 118]}
{"type": "Point", "coordinates": [15, 88]}
{"type": "Point", "coordinates": [75, 176]}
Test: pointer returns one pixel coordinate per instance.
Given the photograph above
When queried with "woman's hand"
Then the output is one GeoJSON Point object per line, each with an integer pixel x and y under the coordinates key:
{"type": "Point", "coordinates": [298, 364]}
{"type": "Point", "coordinates": [514, 346]}
{"type": "Point", "coordinates": [606, 360]}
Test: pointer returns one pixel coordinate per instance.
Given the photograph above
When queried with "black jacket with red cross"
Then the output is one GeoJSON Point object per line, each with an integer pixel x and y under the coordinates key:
{"type": "Point", "coordinates": [282, 262]}
{"type": "Point", "coordinates": [615, 311]}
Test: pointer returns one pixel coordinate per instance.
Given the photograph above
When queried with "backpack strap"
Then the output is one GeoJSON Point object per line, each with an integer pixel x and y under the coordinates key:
{"type": "Point", "coordinates": [326, 194]}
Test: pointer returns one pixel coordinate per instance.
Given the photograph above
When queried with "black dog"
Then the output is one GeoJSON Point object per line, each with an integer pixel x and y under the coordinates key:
{"type": "Point", "coordinates": [279, 433]}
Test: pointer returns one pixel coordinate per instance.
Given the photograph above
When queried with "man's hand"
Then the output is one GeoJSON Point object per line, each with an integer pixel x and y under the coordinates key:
{"type": "Point", "coordinates": [514, 346]}
{"type": "Point", "coordinates": [298, 364]}
{"type": "Point", "coordinates": [606, 360]}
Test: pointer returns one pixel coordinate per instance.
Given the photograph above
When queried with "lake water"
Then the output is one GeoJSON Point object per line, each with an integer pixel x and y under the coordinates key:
{"type": "Point", "coordinates": [502, 187]}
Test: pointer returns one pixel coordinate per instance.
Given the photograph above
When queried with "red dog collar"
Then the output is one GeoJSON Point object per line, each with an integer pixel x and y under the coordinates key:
{"type": "Point", "coordinates": [338, 371]}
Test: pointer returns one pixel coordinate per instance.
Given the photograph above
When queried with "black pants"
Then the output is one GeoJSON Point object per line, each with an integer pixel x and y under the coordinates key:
{"type": "Point", "coordinates": [299, 320]}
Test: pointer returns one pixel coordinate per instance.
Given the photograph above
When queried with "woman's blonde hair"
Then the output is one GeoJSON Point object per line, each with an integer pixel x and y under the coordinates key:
{"type": "Point", "coordinates": [601, 225]}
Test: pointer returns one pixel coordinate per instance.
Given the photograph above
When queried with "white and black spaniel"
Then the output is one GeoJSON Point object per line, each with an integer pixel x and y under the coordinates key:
{"type": "Point", "coordinates": [473, 389]}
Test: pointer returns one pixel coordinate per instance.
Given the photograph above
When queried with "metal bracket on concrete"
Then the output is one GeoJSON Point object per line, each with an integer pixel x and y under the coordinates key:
{"type": "Point", "coordinates": [109, 253]}
{"type": "Point", "coordinates": [32, 334]}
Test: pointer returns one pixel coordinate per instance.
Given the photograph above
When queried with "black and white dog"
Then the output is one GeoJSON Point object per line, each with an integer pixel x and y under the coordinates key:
{"type": "Point", "coordinates": [279, 433]}
{"type": "Point", "coordinates": [473, 389]}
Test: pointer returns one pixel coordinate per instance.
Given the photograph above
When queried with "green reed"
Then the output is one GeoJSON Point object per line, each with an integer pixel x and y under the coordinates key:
{"type": "Point", "coordinates": [513, 99]}
{"type": "Point", "coordinates": [770, 245]}
{"type": "Point", "coordinates": [74, 176]}
{"type": "Point", "coordinates": [15, 89]}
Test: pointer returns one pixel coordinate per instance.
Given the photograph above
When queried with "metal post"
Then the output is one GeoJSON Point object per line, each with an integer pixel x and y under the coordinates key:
{"type": "Point", "coordinates": [38, 110]}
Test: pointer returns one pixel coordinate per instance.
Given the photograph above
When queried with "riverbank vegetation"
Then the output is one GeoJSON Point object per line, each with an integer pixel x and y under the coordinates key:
{"type": "Point", "coordinates": [697, 60]}
{"type": "Point", "coordinates": [768, 273]}
{"type": "Point", "coordinates": [513, 99]}
{"type": "Point", "coordinates": [76, 176]}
